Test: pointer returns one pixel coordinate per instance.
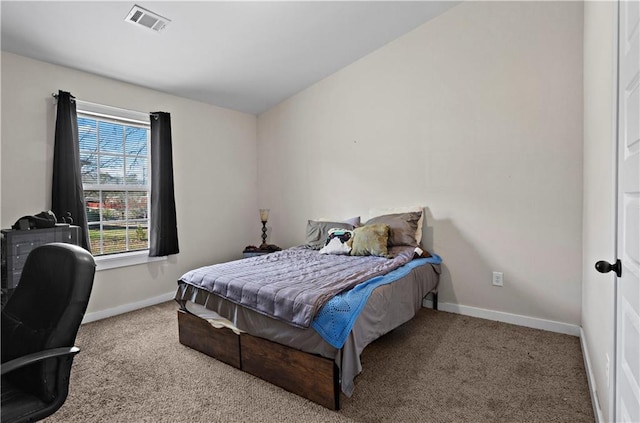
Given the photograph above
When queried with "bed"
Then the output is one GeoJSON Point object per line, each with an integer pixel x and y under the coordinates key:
{"type": "Point", "coordinates": [307, 331]}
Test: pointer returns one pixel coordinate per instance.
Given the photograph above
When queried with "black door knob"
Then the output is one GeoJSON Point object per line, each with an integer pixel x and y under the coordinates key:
{"type": "Point", "coordinates": [604, 267]}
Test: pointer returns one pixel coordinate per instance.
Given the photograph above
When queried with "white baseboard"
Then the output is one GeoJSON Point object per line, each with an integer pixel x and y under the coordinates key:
{"type": "Point", "coordinates": [125, 308]}
{"type": "Point", "coordinates": [514, 319]}
{"type": "Point", "coordinates": [597, 411]}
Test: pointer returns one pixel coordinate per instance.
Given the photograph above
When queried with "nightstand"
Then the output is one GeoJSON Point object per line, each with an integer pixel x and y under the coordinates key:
{"type": "Point", "coordinates": [253, 252]}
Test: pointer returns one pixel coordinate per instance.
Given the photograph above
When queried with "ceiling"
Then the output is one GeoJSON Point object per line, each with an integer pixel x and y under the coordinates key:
{"type": "Point", "coordinates": [246, 56]}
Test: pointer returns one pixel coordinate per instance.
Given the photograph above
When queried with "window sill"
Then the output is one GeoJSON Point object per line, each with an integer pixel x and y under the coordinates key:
{"type": "Point", "coordinates": [125, 259]}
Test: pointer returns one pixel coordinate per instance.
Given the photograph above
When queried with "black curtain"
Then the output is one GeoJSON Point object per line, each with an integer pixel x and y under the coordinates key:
{"type": "Point", "coordinates": [163, 231]}
{"type": "Point", "coordinates": [67, 196]}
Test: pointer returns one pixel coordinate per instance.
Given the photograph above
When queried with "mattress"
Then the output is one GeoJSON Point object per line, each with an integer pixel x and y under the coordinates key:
{"type": "Point", "coordinates": [293, 284]}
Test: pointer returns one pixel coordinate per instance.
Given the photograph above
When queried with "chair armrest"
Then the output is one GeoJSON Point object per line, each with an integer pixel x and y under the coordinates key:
{"type": "Point", "coordinates": [28, 359]}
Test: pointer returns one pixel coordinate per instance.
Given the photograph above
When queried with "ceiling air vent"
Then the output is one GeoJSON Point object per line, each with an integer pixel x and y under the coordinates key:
{"type": "Point", "coordinates": [147, 19]}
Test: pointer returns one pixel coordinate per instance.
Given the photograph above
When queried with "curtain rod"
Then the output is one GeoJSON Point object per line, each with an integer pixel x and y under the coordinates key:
{"type": "Point", "coordinates": [155, 115]}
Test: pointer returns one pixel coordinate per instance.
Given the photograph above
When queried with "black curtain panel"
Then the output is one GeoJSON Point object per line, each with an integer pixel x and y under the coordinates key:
{"type": "Point", "coordinates": [163, 231]}
{"type": "Point", "coordinates": [67, 196]}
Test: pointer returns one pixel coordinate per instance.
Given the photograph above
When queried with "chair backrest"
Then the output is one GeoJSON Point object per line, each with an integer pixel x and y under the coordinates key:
{"type": "Point", "coordinates": [45, 310]}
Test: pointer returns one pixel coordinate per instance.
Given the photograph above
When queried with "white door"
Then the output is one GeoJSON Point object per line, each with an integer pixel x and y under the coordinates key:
{"type": "Point", "coordinates": [628, 245]}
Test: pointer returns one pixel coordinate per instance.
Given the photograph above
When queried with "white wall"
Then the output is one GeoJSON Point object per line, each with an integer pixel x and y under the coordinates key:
{"type": "Point", "coordinates": [477, 115]}
{"type": "Point", "coordinates": [215, 160]}
{"type": "Point", "coordinates": [599, 194]}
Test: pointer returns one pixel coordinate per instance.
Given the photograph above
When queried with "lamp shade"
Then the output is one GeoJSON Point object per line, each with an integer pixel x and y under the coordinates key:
{"type": "Point", "coordinates": [264, 215]}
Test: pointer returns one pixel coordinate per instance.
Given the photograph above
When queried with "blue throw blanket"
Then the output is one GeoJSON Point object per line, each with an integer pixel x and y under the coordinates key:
{"type": "Point", "coordinates": [336, 318]}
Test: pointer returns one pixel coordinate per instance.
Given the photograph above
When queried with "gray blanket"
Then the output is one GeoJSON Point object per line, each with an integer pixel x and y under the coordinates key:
{"type": "Point", "coordinates": [293, 284]}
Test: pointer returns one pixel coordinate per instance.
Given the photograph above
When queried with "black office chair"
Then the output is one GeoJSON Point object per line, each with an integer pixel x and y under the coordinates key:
{"type": "Point", "coordinates": [39, 326]}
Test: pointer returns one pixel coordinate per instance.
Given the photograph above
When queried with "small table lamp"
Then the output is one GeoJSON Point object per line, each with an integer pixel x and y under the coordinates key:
{"type": "Point", "coordinates": [264, 216]}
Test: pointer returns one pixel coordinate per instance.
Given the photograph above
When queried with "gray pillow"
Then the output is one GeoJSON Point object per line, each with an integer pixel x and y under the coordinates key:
{"type": "Point", "coordinates": [403, 227]}
{"type": "Point", "coordinates": [318, 231]}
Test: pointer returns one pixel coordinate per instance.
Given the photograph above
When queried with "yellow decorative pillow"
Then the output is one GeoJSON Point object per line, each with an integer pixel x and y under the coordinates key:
{"type": "Point", "coordinates": [370, 240]}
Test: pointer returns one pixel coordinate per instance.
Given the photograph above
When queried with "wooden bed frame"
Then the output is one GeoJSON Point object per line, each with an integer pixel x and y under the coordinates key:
{"type": "Point", "coordinates": [308, 375]}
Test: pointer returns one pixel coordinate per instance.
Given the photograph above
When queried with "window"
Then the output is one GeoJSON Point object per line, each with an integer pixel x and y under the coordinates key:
{"type": "Point", "coordinates": [114, 161]}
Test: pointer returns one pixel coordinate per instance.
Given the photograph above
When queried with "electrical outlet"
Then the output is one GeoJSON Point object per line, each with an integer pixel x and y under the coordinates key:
{"type": "Point", "coordinates": [498, 279]}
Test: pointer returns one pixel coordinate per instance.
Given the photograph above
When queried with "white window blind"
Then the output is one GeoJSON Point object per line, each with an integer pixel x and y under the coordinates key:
{"type": "Point", "coordinates": [114, 160]}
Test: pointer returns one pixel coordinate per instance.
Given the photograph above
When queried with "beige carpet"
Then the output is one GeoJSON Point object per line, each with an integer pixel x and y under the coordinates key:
{"type": "Point", "coordinates": [440, 367]}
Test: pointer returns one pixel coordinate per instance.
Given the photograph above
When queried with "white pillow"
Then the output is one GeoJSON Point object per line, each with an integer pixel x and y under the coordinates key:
{"type": "Point", "coordinates": [375, 212]}
{"type": "Point", "coordinates": [335, 246]}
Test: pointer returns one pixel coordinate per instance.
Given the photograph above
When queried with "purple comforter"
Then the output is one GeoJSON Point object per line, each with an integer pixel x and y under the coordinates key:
{"type": "Point", "coordinates": [293, 284]}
